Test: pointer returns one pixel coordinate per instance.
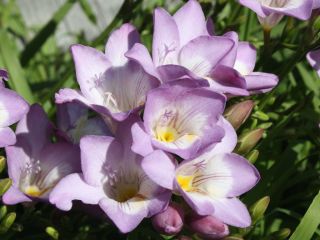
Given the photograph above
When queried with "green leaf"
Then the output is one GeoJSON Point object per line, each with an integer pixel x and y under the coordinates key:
{"type": "Point", "coordinates": [84, 4]}
{"type": "Point", "coordinates": [309, 223]}
{"type": "Point", "coordinates": [9, 57]}
{"type": "Point", "coordinates": [36, 43]}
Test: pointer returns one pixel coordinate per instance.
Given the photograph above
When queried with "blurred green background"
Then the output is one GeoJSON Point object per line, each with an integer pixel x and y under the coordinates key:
{"type": "Point", "coordinates": [34, 39]}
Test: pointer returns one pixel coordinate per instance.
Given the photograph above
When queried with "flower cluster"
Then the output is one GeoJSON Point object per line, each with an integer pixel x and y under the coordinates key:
{"type": "Point", "coordinates": [159, 128]}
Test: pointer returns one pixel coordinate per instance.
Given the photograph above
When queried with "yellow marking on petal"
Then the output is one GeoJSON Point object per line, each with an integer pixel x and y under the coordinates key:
{"type": "Point", "coordinates": [185, 182]}
{"type": "Point", "coordinates": [33, 191]}
{"type": "Point", "coordinates": [166, 134]}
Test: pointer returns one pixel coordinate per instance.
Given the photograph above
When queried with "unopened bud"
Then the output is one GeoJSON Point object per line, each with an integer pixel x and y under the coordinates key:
{"type": "Point", "coordinates": [52, 232]}
{"type": "Point", "coordinates": [3, 211]}
{"type": "Point", "coordinates": [253, 156]}
{"type": "Point", "coordinates": [207, 227]}
{"type": "Point", "coordinates": [5, 184]}
{"type": "Point", "coordinates": [170, 221]}
{"type": "Point", "coordinates": [7, 222]}
{"type": "Point", "coordinates": [259, 208]}
{"type": "Point", "coordinates": [281, 234]}
{"type": "Point", "coordinates": [249, 140]}
{"type": "Point", "coordinates": [237, 114]}
{"type": "Point", "coordinates": [2, 163]}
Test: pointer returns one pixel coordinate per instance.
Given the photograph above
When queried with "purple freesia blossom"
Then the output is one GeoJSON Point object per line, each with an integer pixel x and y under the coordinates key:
{"type": "Point", "coordinates": [270, 12]}
{"type": "Point", "coordinates": [35, 165]}
{"type": "Point", "coordinates": [73, 122]}
{"type": "Point", "coordinates": [210, 184]}
{"type": "Point", "coordinates": [313, 58]}
{"type": "Point", "coordinates": [238, 67]}
{"type": "Point", "coordinates": [180, 120]}
{"type": "Point", "coordinates": [12, 108]}
{"type": "Point", "coordinates": [112, 178]}
{"type": "Point", "coordinates": [183, 46]}
{"type": "Point", "coordinates": [110, 84]}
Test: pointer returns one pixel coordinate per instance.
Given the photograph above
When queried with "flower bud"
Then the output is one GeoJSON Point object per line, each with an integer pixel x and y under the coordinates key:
{"type": "Point", "coordinates": [281, 234]}
{"type": "Point", "coordinates": [248, 140]}
{"type": "Point", "coordinates": [259, 208]}
{"type": "Point", "coordinates": [238, 113]}
{"type": "Point", "coordinates": [2, 163]}
{"type": "Point", "coordinates": [253, 156]}
{"type": "Point", "coordinates": [5, 184]}
{"type": "Point", "coordinates": [170, 221]}
{"type": "Point", "coordinates": [207, 227]}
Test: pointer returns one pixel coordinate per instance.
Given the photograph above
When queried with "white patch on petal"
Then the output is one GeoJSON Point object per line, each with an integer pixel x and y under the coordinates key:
{"type": "Point", "coordinates": [133, 205]}
{"type": "Point", "coordinates": [241, 68]}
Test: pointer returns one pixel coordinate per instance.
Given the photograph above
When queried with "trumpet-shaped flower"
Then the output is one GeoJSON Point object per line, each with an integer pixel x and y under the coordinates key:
{"type": "Point", "coordinates": [180, 120]}
{"type": "Point", "coordinates": [113, 178]}
{"type": "Point", "coordinates": [238, 67]}
{"type": "Point", "coordinates": [183, 47]}
{"type": "Point", "coordinates": [314, 60]}
{"type": "Point", "coordinates": [110, 84]}
{"type": "Point", "coordinates": [35, 165]}
{"type": "Point", "coordinates": [12, 108]}
{"type": "Point", "coordinates": [270, 12]}
{"type": "Point", "coordinates": [210, 183]}
{"type": "Point", "coordinates": [73, 122]}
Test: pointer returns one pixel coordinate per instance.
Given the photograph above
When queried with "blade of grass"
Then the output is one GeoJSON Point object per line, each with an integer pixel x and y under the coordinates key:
{"type": "Point", "coordinates": [36, 43]}
{"type": "Point", "coordinates": [9, 55]}
{"type": "Point", "coordinates": [85, 6]}
{"type": "Point", "coordinates": [309, 223]}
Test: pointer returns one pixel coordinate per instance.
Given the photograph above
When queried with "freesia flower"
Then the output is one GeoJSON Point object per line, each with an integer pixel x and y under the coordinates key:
{"type": "Point", "coordinates": [180, 120]}
{"type": "Point", "coordinates": [73, 122]}
{"type": "Point", "coordinates": [12, 108]}
{"type": "Point", "coordinates": [238, 67]}
{"type": "Point", "coordinates": [210, 183]}
{"type": "Point", "coordinates": [270, 12]}
{"type": "Point", "coordinates": [110, 84]}
{"type": "Point", "coordinates": [35, 165]}
{"type": "Point", "coordinates": [183, 46]}
{"type": "Point", "coordinates": [112, 178]}
{"type": "Point", "coordinates": [314, 60]}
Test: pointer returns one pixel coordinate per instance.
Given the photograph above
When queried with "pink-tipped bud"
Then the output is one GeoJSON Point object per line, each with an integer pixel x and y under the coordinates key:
{"type": "Point", "coordinates": [170, 221]}
{"type": "Point", "coordinates": [249, 140]}
{"type": "Point", "coordinates": [207, 227]}
{"type": "Point", "coordinates": [238, 113]}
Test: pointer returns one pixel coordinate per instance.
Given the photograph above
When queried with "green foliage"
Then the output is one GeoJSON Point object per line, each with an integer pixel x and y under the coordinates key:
{"type": "Point", "coordinates": [281, 137]}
